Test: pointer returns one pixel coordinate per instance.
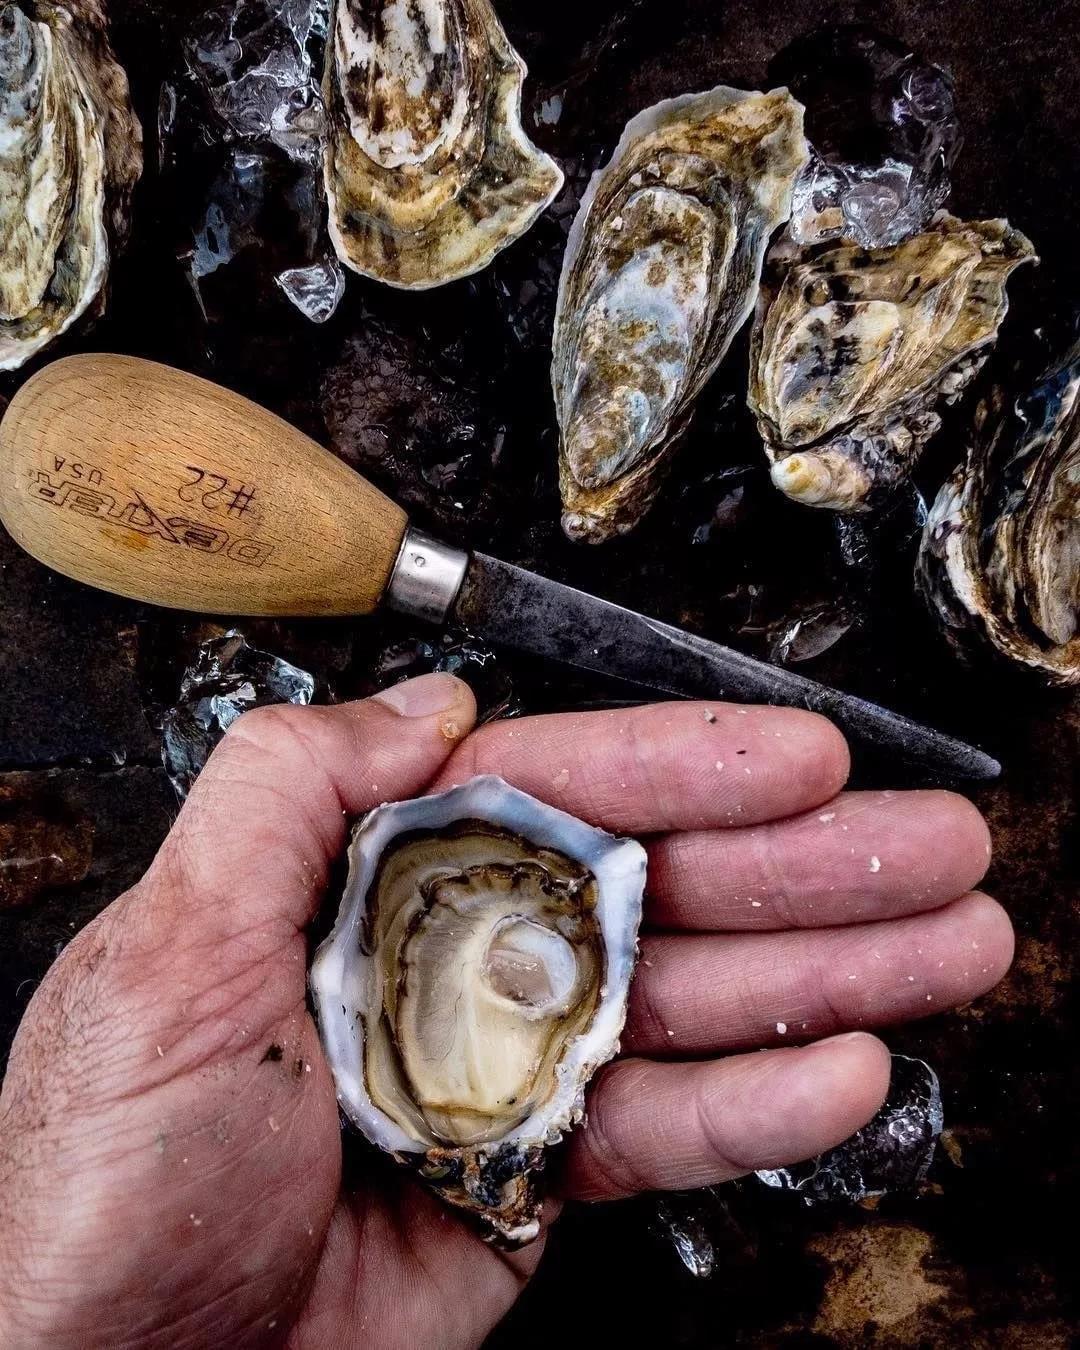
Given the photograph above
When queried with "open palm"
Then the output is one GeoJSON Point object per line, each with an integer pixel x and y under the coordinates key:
{"type": "Point", "coordinates": [170, 1158]}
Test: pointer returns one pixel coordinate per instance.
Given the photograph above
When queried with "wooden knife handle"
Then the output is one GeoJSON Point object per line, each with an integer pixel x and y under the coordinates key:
{"type": "Point", "coordinates": [157, 485]}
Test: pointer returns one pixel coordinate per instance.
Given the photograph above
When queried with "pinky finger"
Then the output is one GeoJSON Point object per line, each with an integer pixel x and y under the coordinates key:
{"type": "Point", "coordinates": [655, 1126]}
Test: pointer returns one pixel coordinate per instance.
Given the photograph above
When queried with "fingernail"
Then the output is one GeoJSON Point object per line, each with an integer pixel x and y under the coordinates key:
{"type": "Point", "coordinates": [422, 697]}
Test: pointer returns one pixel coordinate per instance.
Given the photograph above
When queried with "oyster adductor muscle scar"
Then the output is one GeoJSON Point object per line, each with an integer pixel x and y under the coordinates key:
{"type": "Point", "coordinates": [661, 271]}
{"type": "Point", "coordinates": [70, 156]}
{"type": "Point", "coordinates": [1000, 557]}
{"type": "Point", "coordinates": [476, 976]}
{"type": "Point", "coordinates": [428, 170]}
{"type": "Point", "coordinates": [854, 350]}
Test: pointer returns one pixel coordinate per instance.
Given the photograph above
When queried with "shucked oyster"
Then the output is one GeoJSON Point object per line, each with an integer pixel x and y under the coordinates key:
{"type": "Point", "coordinates": [476, 977]}
{"type": "Point", "coordinates": [429, 172]}
{"type": "Point", "coordinates": [661, 271]}
{"type": "Point", "coordinates": [1000, 555]}
{"type": "Point", "coordinates": [70, 155]}
{"type": "Point", "coordinates": [853, 349]}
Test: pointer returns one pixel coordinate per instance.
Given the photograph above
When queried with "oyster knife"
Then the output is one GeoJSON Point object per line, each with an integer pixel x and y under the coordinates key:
{"type": "Point", "coordinates": [160, 486]}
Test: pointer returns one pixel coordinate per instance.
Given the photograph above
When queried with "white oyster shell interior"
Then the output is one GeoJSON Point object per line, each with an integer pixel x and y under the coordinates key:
{"type": "Point", "coordinates": [478, 970]}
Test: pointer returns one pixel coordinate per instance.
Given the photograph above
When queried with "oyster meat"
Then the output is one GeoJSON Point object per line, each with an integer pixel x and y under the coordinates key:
{"type": "Point", "coordinates": [475, 978]}
{"type": "Point", "coordinates": [1000, 556]}
{"type": "Point", "coordinates": [661, 270]}
{"type": "Point", "coordinates": [428, 170]}
{"type": "Point", "coordinates": [854, 349]}
{"type": "Point", "coordinates": [70, 155]}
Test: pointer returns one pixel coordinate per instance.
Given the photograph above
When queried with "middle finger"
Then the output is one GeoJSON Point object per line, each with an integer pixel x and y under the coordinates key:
{"type": "Point", "coordinates": [863, 856]}
{"type": "Point", "coordinates": [701, 994]}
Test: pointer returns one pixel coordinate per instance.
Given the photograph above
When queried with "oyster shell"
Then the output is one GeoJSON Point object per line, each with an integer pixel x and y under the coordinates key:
{"type": "Point", "coordinates": [70, 155]}
{"type": "Point", "coordinates": [661, 271]}
{"type": "Point", "coordinates": [853, 350]}
{"type": "Point", "coordinates": [428, 170]}
{"type": "Point", "coordinates": [1000, 556]}
{"type": "Point", "coordinates": [475, 978]}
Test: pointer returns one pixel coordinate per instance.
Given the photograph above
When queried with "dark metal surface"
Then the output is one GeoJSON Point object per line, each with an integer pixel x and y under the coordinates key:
{"type": "Point", "coordinates": [533, 614]}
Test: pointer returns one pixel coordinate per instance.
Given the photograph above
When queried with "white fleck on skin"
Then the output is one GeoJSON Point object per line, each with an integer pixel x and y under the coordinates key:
{"type": "Point", "coordinates": [827, 817]}
{"type": "Point", "coordinates": [374, 787]}
{"type": "Point", "coordinates": [644, 962]}
{"type": "Point", "coordinates": [755, 904]}
{"type": "Point", "coordinates": [719, 765]}
{"type": "Point", "coordinates": [710, 716]}
{"type": "Point", "coordinates": [195, 1221]}
{"type": "Point", "coordinates": [161, 1053]}
{"type": "Point", "coordinates": [560, 780]}
{"type": "Point", "coordinates": [929, 998]}
{"type": "Point", "coordinates": [671, 1033]}
{"type": "Point", "coordinates": [274, 1126]}
{"type": "Point", "coordinates": [781, 1028]}
{"type": "Point", "coordinates": [875, 863]}
{"type": "Point", "coordinates": [911, 978]}
{"type": "Point", "coordinates": [747, 772]}
{"type": "Point", "coordinates": [853, 977]}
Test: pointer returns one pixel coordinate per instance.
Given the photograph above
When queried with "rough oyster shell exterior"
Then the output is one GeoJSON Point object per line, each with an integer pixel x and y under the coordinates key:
{"type": "Point", "coordinates": [854, 350]}
{"type": "Point", "coordinates": [428, 170]}
{"type": "Point", "coordinates": [661, 271]}
{"type": "Point", "coordinates": [498, 862]}
{"type": "Point", "coordinates": [999, 562]}
{"type": "Point", "coordinates": [70, 156]}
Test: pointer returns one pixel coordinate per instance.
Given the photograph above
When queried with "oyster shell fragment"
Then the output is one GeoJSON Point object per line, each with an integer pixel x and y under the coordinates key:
{"type": "Point", "coordinates": [1000, 557]}
{"type": "Point", "coordinates": [854, 349]}
{"type": "Point", "coordinates": [475, 978]}
{"type": "Point", "coordinates": [428, 170]}
{"type": "Point", "coordinates": [70, 155]}
{"type": "Point", "coordinates": [661, 270]}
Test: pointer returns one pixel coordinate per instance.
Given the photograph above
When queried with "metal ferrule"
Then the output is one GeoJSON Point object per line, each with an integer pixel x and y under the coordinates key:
{"type": "Point", "coordinates": [426, 577]}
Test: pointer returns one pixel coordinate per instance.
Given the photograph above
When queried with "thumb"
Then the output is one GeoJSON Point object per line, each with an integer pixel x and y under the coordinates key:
{"type": "Point", "coordinates": [256, 838]}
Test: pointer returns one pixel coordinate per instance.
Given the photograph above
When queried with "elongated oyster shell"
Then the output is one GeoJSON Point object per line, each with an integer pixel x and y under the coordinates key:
{"type": "Point", "coordinates": [476, 977]}
{"type": "Point", "coordinates": [428, 170]}
{"type": "Point", "coordinates": [70, 155]}
{"type": "Point", "coordinates": [853, 349]}
{"type": "Point", "coordinates": [1000, 555]}
{"type": "Point", "coordinates": [661, 271]}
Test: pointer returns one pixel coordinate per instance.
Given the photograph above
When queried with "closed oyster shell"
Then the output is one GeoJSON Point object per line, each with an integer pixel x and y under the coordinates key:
{"type": "Point", "coordinates": [428, 170]}
{"type": "Point", "coordinates": [475, 978]}
{"type": "Point", "coordinates": [661, 271]}
{"type": "Point", "coordinates": [1000, 557]}
{"type": "Point", "coordinates": [70, 155]}
{"type": "Point", "coordinates": [854, 349]}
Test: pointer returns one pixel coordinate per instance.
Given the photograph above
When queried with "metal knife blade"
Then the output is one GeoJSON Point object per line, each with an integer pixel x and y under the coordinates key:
{"type": "Point", "coordinates": [520, 609]}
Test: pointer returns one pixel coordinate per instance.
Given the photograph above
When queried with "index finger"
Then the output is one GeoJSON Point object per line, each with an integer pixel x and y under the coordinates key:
{"type": "Point", "coordinates": [664, 766]}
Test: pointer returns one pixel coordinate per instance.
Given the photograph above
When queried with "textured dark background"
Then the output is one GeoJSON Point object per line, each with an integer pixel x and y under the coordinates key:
{"type": "Point", "coordinates": [980, 1256]}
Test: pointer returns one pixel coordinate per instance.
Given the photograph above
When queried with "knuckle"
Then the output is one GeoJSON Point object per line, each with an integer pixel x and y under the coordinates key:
{"type": "Point", "coordinates": [617, 1170]}
{"type": "Point", "coordinates": [265, 727]}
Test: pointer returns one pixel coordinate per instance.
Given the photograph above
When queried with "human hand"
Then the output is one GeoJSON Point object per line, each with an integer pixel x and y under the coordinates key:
{"type": "Point", "coordinates": [170, 1157]}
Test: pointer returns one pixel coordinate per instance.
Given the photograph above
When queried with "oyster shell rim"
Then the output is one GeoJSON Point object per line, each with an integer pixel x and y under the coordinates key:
{"type": "Point", "coordinates": [613, 861]}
